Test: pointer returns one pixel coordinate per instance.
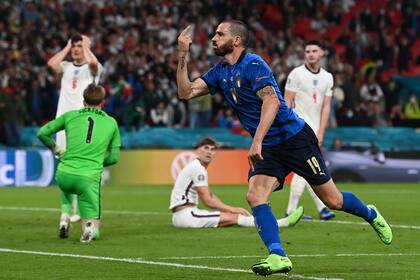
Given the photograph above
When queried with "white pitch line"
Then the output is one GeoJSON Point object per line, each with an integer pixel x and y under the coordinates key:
{"type": "Point", "coordinates": [143, 261]}
{"type": "Point", "coordinates": [145, 213]}
{"type": "Point", "coordinates": [294, 256]}
{"type": "Point", "coordinates": [361, 223]}
{"type": "Point", "coordinates": [118, 212]}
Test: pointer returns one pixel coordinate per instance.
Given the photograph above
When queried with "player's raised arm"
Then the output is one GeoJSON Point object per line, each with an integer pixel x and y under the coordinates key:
{"type": "Point", "coordinates": [55, 62]}
{"type": "Point", "coordinates": [89, 56]}
{"type": "Point", "coordinates": [186, 88]}
{"type": "Point", "coordinates": [269, 108]}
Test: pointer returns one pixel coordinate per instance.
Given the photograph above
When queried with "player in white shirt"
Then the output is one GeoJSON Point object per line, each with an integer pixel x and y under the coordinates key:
{"type": "Point", "coordinates": [191, 186]}
{"type": "Point", "coordinates": [309, 91]}
{"type": "Point", "coordinates": [76, 75]}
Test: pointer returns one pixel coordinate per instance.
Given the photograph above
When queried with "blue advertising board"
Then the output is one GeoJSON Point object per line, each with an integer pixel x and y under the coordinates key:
{"type": "Point", "coordinates": [26, 168]}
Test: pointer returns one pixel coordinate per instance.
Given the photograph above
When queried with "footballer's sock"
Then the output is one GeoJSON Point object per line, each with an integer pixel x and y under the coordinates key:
{"type": "Point", "coordinates": [297, 186]}
{"type": "Point", "coordinates": [96, 233]}
{"type": "Point", "coordinates": [353, 205]}
{"type": "Point", "coordinates": [66, 201]}
{"type": "Point", "coordinates": [319, 204]}
{"type": "Point", "coordinates": [245, 221]}
{"type": "Point", "coordinates": [268, 229]}
{"type": "Point", "coordinates": [65, 217]}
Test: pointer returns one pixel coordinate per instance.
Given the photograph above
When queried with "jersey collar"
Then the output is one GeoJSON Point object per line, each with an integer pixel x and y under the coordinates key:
{"type": "Point", "coordinates": [241, 57]}
{"type": "Point", "coordinates": [78, 65]}
{"type": "Point", "coordinates": [317, 72]}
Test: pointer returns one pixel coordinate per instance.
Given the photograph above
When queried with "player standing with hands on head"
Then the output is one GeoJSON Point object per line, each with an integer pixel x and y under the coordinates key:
{"type": "Point", "coordinates": [93, 141]}
{"type": "Point", "coordinates": [76, 75]}
{"type": "Point", "coordinates": [281, 141]}
{"type": "Point", "coordinates": [192, 185]}
{"type": "Point", "coordinates": [309, 91]}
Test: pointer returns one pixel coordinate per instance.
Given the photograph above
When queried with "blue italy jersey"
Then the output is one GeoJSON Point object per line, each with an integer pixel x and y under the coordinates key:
{"type": "Point", "coordinates": [239, 84]}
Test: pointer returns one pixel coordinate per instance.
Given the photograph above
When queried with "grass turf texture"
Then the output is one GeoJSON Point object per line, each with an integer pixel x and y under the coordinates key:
{"type": "Point", "coordinates": [150, 236]}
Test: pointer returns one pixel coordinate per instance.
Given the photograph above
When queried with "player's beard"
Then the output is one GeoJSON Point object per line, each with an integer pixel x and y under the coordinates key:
{"type": "Point", "coordinates": [224, 49]}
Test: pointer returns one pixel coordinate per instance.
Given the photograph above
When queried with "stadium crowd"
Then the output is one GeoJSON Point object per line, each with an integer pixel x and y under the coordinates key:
{"type": "Point", "coordinates": [367, 43]}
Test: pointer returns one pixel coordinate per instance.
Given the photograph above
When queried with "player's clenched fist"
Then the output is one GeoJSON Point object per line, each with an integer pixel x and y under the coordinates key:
{"type": "Point", "coordinates": [184, 40]}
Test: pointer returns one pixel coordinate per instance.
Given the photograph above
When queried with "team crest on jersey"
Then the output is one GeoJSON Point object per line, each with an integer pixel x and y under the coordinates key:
{"type": "Point", "coordinates": [76, 72]}
{"type": "Point", "coordinates": [201, 177]}
{"type": "Point", "coordinates": [315, 82]}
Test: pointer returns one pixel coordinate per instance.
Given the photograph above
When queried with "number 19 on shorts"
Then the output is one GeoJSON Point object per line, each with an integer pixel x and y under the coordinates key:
{"type": "Point", "coordinates": [313, 163]}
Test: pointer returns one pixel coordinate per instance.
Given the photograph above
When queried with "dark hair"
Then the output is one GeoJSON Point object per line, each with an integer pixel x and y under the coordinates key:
{"type": "Point", "coordinates": [207, 141]}
{"type": "Point", "coordinates": [314, 42]}
{"type": "Point", "coordinates": [76, 38]}
{"type": "Point", "coordinates": [94, 94]}
{"type": "Point", "coordinates": [239, 28]}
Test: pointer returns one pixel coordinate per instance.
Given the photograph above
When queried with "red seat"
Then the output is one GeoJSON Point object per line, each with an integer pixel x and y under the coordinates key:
{"type": "Point", "coordinates": [333, 33]}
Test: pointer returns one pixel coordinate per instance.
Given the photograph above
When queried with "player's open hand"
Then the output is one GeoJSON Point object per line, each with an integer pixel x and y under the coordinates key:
{"type": "Point", "coordinates": [239, 210]}
{"type": "Point", "coordinates": [184, 40]}
{"type": "Point", "coordinates": [86, 41]}
{"type": "Point", "coordinates": [68, 46]}
{"type": "Point", "coordinates": [254, 154]}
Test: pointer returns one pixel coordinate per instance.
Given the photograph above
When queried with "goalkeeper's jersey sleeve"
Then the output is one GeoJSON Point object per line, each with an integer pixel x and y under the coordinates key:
{"type": "Point", "coordinates": [90, 133]}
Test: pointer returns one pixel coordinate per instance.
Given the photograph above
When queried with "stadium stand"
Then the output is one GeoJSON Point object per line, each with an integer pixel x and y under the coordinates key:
{"type": "Point", "coordinates": [136, 43]}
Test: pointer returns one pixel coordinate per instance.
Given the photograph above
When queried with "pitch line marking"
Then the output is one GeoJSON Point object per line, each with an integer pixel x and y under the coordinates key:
{"type": "Point", "coordinates": [143, 261]}
{"type": "Point", "coordinates": [145, 213]}
{"type": "Point", "coordinates": [122, 212]}
{"type": "Point", "coordinates": [294, 256]}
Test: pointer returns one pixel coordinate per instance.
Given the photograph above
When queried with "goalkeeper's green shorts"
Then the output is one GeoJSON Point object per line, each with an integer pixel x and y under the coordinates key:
{"type": "Point", "coordinates": [88, 193]}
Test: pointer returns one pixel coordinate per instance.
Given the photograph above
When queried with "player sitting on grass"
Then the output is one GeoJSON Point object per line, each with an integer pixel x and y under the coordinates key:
{"type": "Point", "coordinates": [192, 185]}
{"type": "Point", "coordinates": [93, 141]}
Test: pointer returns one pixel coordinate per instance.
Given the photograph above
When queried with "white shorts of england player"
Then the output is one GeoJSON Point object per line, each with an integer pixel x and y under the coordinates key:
{"type": "Point", "coordinates": [192, 217]}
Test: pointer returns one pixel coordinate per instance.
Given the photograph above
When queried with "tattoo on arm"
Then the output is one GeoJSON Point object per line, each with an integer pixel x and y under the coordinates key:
{"type": "Point", "coordinates": [266, 91]}
{"type": "Point", "coordinates": [182, 62]}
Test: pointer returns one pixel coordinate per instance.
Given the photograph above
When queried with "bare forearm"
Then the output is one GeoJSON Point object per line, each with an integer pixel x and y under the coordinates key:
{"type": "Point", "coordinates": [268, 113]}
{"type": "Point", "coordinates": [325, 114]}
{"type": "Point", "coordinates": [214, 202]}
{"type": "Point", "coordinates": [91, 60]}
{"type": "Point", "coordinates": [54, 62]}
{"type": "Point", "coordinates": [184, 83]}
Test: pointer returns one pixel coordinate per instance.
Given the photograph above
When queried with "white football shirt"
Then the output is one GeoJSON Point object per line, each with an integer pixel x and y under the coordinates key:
{"type": "Point", "coordinates": [193, 175]}
{"type": "Point", "coordinates": [74, 80]}
{"type": "Point", "coordinates": [310, 89]}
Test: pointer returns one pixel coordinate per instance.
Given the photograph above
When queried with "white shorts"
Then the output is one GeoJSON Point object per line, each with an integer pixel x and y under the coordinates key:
{"type": "Point", "coordinates": [192, 217]}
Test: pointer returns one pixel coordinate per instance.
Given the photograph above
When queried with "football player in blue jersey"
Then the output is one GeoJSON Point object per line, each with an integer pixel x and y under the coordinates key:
{"type": "Point", "coordinates": [282, 142]}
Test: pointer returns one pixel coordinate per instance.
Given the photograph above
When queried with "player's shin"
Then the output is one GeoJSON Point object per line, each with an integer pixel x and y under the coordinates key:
{"type": "Point", "coordinates": [353, 205]}
{"type": "Point", "coordinates": [268, 229]}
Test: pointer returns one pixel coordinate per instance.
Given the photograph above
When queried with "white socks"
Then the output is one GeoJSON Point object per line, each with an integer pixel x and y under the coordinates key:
{"type": "Point", "coordinates": [245, 221]}
{"type": "Point", "coordinates": [297, 186]}
{"type": "Point", "coordinates": [319, 204]}
{"type": "Point", "coordinates": [248, 221]}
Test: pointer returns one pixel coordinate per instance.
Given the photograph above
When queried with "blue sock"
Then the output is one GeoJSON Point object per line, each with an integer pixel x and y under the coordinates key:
{"type": "Point", "coordinates": [268, 229]}
{"type": "Point", "coordinates": [353, 205]}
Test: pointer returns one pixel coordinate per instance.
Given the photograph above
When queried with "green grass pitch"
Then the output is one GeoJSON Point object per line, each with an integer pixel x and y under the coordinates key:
{"type": "Point", "coordinates": [139, 242]}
